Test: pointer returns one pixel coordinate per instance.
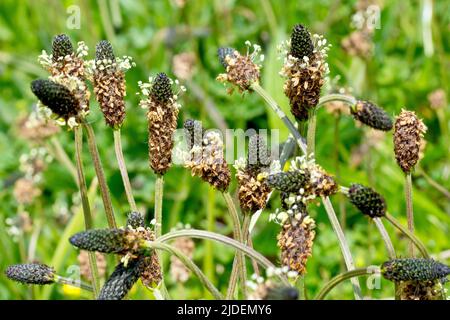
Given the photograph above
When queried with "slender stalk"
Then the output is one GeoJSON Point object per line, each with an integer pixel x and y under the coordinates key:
{"type": "Point", "coordinates": [86, 207]}
{"type": "Point", "coordinates": [190, 265]}
{"type": "Point", "coordinates": [123, 169]}
{"type": "Point", "coordinates": [434, 184]}
{"type": "Point", "coordinates": [343, 244]}
{"type": "Point", "coordinates": [104, 190]}
{"type": "Point", "coordinates": [61, 156]}
{"type": "Point", "coordinates": [239, 267]}
{"type": "Point", "coordinates": [336, 97]}
{"type": "Point", "coordinates": [385, 236]}
{"type": "Point", "coordinates": [159, 190]}
{"type": "Point", "coordinates": [311, 134]}
{"type": "Point", "coordinates": [246, 235]}
{"type": "Point", "coordinates": [201, 234]}
{"type": "Point", "coordinates": [409, 209]}
{"type": "Point", "coordinates": [420, 246]}
{"type": "Point", "coordinates": [73, 283]}
{"type": "Point", "coordinates": [342, 277]}
{"type": "Point", "coordinates": [275, 107]}
{"type": "Point", "coordinates": [208, 260]}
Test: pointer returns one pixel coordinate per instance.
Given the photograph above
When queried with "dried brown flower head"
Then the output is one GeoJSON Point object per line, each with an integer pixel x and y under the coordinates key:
{"type": "Point", "coordinates": [36, 128]}
{"type": "Point", "coordinates": [295, 242]}
{"type": "Point", "coordinates": [420, 290]}
{"type": "Point", "coordinates": [25, 191]}
{"type": "Point", "coordinates": [241, 70]}
{"type": "Point", "coordinates": [83, 261]}
{"type": "Point", "coordinates": [65, 62]}
{"type": "Point", "coordinates": [408, 136]}
{"type": "Point", "coordinates": [109, 85]}
{"type": "Point", "coordinates": [183, 65]}
{"type": "Point", "coordinates": [207, 161]}
{"type": "Point", "coordinates": [358, 43]}
{"type": "Point", "coordinates": [437, 99]}
{"type": "Point", "coordinates": [162, 121]}
{"type": "Point", "coordinates": [178, 270]}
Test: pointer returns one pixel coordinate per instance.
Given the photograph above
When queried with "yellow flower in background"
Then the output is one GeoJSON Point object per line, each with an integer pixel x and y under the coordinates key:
{"type": "Point", "coordinates": [71, 291]}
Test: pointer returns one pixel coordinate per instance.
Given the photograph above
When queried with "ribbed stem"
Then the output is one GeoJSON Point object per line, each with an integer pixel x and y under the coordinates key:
{"type": "Point", "coordinates": [86, 207]}
{"type": "Point", "coordinates": [275, 107]}
{"type": "Point", "coordinates": [201, 234]}
{"type": "Point", "coordinates": [208, 259]}
{"type": "Point", "coordinates": [123, 169]}
{"type": "Point", "coordinates": [159, 190]}
{"type": "Point", "coordinates": [104, 190]}
{"type": "Point", "coordinates": [336, 97]}
{"type": "Point", "coordinates": [420, 246]}
{"type": "Point", "coordinates": [343, 244]}
{"type": "Point", "coordinates": [239, 267]}
{"type": "Point", "coordinates": [385, 236]}
{"type": "Point", "coordinates": [190, 265]}
{"type": "Point", "coordinates": [74, 283]}
{"type": "Point", "coordinates": [340, 278]}
{"type": "Point", "coordinates": [409, 209]}
{"type": "Point", "coordinates": [311, 134]}
{"type": "Point", "coordinates": [246, 235]}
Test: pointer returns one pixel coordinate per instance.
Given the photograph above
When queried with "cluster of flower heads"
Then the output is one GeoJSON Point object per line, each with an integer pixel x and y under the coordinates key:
{"type": "Point", "coordinates": [162, 107]}
{"type": "Point", "coordinates": [304, 68]}
{"type": "Point", "coordinates": [135, 262]}
{"type": "Point", "coordinates": [241, 70]}
{"type": "Point", "coordinates": [269, 288]}
{"type": "Point", "coordinates": [205, 156]}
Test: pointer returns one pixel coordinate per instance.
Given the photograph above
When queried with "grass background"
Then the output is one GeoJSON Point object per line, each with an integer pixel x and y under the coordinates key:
{"type": "Point", "coordinates": [397, 76]}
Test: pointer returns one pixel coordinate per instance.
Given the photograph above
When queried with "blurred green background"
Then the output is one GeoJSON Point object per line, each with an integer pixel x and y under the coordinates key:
{"type": "Point", "coordinates": [396, 74]}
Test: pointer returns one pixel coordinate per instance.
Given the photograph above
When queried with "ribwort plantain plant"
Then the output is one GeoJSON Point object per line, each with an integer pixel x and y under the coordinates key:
{"type": "Point", "coordinates": [300, 183]}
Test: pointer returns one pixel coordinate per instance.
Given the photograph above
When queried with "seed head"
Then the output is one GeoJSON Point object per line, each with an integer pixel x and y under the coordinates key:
{"type": "Point", "coordinates": [408, 137]}
{"type": "Point", "coordinates": [301, 43]}
{"type": "Point", "coordinates": [367, 200]}
{"type": "Point", "coordinates": [61, 47]}
{"type": "Point", "coordinates": [162, 88]}
{"type": "Point", "coordinates": [104, 51]}
{"type": "Point", "coordinates": [290, 181]}
{"type": "Point", "coordinates": [416, 269]}
{"type": "Point", "coordinates": [371, 115]}
{"type": "Point", "coordinates": [118, 241]}
{"type": "Point", "coordinates": [121, 280]}
{"type": "Point", "coordinates": [135, 220]}
{"type": "Point", "coordinates": [57, 97]}
{"type": "Point", "coordinates": [252, 192]}
{"type": "Point", "coordinates": [32, 273]}
{"type": "Point", "coordinates": [420, 290]}
{"type": "Point", "coordinates": [223, 52]}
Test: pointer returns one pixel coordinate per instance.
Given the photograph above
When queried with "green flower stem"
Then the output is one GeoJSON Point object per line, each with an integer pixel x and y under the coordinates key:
{"type": "Point", "coordinates": [342, 277]}
{"type": "Point", "coordinates": [123, 169]}
{"type": "Point", "coordinates": [189, 264]}
{"type": "Point", "coordinates": [104, 190]}
{"type": "Point", "coordinates": [433, 183]}
{"type": "Point", "coordinates": [159, 190]}
{"type": "Point", "coordinates": [387, 240]}
{"type": "Point", "coordinates": [247, 237]}
{"type": "Point", "coordinates": [208, 260]}
{"type": "Point", "coordinates": [86, 207]}
{"type": "Point", "coordinates": [343, 244]}
{"type": "Point", "coordinates": [336, 97]}
{"type": "Point", "coordinates": [239, 266]}
{"type": "Point", "coordinates": [275, 107]}
{"type": "Point", "coordinates": [409, 209]}
{"type": "Point", "coordinates": [73, 283]}
{"type": "Point", "coordinates": [311, 134]}
{"type": "Point", "coordinates": [201, 234]}
{"type": "Point", "coordinates": [420, 246]}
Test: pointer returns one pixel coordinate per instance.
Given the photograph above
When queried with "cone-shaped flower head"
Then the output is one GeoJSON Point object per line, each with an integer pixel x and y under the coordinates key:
{"type": "Point", "coordinates": [135, 220]}
{"type": "Point", "coordinates": [371, 115]}
{"type": "Point", "coordinates": [109, 85]}
{"type": "Point", "coordinates": [367, 200]}
{"type": "Point", "coordinates": [301, 42]}
{"type": "Point", "coordinates": [32, 273]}
{"type": "Point", "coordinates": [207, 161]}
{"type": "Point", "coordinates": [408, 138]}
{"type": "Point", "coordinates": [57, 97]}
{"type": "Point", "coordinates": [107, 240]}
{"type": "Point", "coordinates": [304, 69]}
{"type": "Point", "coordinates": [121, 281]}
{"type": "Point", "coordinates": [162, 120]}
{"type": "Point", "coordinates": [241, 70]}
{"type": "Point", "coordinates": [61, 47]}
{"type": "Point", "coordinates": [414, 269]}
{"type": "Point", "coordinates": [290, 181]}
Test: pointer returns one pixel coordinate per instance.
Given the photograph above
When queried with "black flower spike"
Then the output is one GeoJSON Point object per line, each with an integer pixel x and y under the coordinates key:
{"type": "Point", "coordinates": [55, 96]}
{"type": "Point", "coordinates": [104, 50]}
{"type": "Point", "coordinates": [418, 269]}
{"type": "Point", "coordinates": [162, 88]}
{"type": "Point", "coordinates": [290, 181]}
{"type": "Point", "coordinates": [301, 43]}
{"type": "Point", "coordinates": [105, 240]}
{"type": "Point", "coordinates": [281, 293]}
{"type": "Point", "coordinates": [223, 52]}
{"type": "Point", "coordinates": [371, 115]}
{"type": "Point", "coordinates": [135, 220]}
{"type": "Point", "coordinates": [32, 273]}
{"type": "Point", "coordinates": [367, 200]}
{"type": "Point", "coordinates": [121, 280]}
{"type": "Point", "coordinates": [61, 47]}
